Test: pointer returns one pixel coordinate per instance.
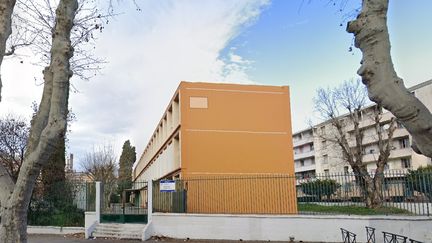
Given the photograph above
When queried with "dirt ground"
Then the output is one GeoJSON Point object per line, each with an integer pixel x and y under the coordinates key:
{"type": "Point", "coordinates": [79, 239]}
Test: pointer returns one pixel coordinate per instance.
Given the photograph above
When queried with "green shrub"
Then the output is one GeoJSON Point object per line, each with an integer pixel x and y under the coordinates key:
{"type": "Point", "coordinates": [319, 188]}
{"type": "Point", "coordinates": [420, 180]}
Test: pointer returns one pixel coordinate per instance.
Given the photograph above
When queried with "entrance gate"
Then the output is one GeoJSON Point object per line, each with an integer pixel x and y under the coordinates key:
{"type": "Point", "coordinates": [128, 207]}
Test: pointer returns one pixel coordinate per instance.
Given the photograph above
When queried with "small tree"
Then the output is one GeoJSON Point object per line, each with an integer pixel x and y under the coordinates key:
{"type": "Point", "coordinates": [319, 188]}
{"type": "Point", "coordinates": [14, 132]}
{"type": "Point", "coordinates": [127, 159]}
{"type": "Point", "coordinates": [100, 164]}
{"type": "Point", "coordinates": [350, 98]}
{"type": "Point", "coordinates": [420, 180]}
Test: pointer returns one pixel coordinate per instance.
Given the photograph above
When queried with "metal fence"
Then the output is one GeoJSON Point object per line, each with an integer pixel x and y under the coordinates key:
{"type": "Point", "coordinates": [401, 192]}
{"type": "Point", "coordinates": [62, 204]}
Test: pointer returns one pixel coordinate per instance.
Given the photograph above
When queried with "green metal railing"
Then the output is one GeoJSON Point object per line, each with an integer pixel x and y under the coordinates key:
{"type": "Point", "coordinates": [395, 192]}
{"type": "Point", "coordinates": [62, 204]}
{"type": "Point", "coordinates": [124, 205]}
{"type": "Point", "coordinates": [400, 192]}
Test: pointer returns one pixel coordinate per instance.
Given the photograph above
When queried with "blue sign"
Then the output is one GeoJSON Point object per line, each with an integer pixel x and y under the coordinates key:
{"type": "Point", "coordinates": [167, 186]}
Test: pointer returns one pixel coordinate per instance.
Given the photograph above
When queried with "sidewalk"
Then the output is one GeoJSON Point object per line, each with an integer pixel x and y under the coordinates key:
{"type": "Point", "coordinates": [62, 239]}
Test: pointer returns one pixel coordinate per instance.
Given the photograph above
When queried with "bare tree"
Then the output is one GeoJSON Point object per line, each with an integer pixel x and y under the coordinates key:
{"type": "Point", "coordinates": [14, 132]}
{"type": "Point", "coordinates": [7, 8]}
{"type": "Point", "coordinates": [48, 125]}
{"type": "Point", "coordinates": [384, 86]}
{"type": "Point", "coordinates": [101, 165]}
{"type": "Point", "coordinates": [33, 23]}
{"type": "Point", "coordinates": [348, 134]}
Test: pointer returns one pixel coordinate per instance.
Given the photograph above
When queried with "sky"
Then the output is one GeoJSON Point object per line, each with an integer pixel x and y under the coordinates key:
{"type": "Point", "coordinates": [299, 43]}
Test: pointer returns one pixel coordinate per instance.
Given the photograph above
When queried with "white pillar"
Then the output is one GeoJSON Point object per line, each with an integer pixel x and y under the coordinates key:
{"type": "Point", "coordinates": [149, 200]}
{"type": "Point", "coordinates": [98, 200]}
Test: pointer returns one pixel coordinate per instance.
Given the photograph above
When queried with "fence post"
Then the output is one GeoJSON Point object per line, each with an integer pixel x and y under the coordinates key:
{"type": "Point", "coordinates": [98, 200]}
{"type": "Point", "coordinates": [149, 200]}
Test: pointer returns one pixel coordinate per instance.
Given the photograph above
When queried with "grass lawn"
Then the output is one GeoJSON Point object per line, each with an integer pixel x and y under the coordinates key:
{"type": "Point", "coordinates": [356, 210]}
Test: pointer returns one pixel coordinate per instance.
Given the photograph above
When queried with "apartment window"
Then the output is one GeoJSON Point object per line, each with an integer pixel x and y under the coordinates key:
{"type": "Point", "coordinates": [324, 143]}
{"type": "Point", "coordinates": [311, 147]}
{"type": "Point", "coordinates": [323, 130]}
{"type": "Point", "coordinates": [325, 159]}
{"type": "Point", "coordinates": [399, 125]}
{"type": "Point", "coordinates": [404, 142]}
{"type": "Point", "coordinates": [346, 168]}
{"type": "Point", "coordinates": [326, 172]}
{"type": "Point", "coordinates": [406, 163]}
{"type": "Point", "coordinates": [313, 161]}
{"type": "Point", "coordinates": [301, 163]}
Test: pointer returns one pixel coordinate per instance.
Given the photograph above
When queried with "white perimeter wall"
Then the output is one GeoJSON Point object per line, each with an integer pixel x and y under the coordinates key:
{"type": "Point", "coordinates": [281, 228]}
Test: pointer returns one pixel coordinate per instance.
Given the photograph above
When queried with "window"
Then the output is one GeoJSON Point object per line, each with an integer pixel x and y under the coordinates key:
{"type": "Point", "coordinates": [323, 130]}
{"type": "Point", "coordinates": [326, 172]}
{"type": "Point", "coordinates": [313, 161]}
{"type": "Point", "coordinates": [386, 167]}
{"type": "Point", "coordinates": [371, 151]}
{"type": "Point", "coordinates": [404, 142]}
{"type": "Point", "coordinates": [399, 125]}
{"type": "Point", "coordinates": [346, 168]}
{"type": "Point", "coordinates": [302, 163]}
{"type": "Point", "coordinates": [311, 147]}
{"type": "Point", "coordinates": [406, 163]}
{"type": "Point", "coordinates": [325, 159]}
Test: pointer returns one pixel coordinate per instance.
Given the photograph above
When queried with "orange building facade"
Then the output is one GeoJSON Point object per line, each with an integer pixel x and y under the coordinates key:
{"type": "Point", "coordinates": [223, 130]}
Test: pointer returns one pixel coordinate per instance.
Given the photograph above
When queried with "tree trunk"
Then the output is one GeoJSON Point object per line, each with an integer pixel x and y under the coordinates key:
{"type": "Point", "coordinates": [371, 187]}
{"type": "Point", "coordinates": [373, 192]}
{"type": "Point", "coordinates": [6, 10]}
{"type": "Point", "coordinates": [379, 76]}
{"type": "Point", "coordinates": [48, 126]}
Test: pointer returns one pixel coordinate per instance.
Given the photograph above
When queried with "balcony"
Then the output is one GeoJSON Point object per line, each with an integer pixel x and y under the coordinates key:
{"type": "Point", "coordinates": [370, 139]}
{"type": "Point", "coordinates": [304, 155]}
{"type": "Point", "coordinates": [310, 167]}
{"type": "Point", "coordinates": [303, 141]}
{"type": "Point", "coordinates": [397, 153]}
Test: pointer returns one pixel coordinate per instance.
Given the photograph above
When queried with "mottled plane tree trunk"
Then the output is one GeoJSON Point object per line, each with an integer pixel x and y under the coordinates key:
{"type": "Point", "coordinates": [384, 86]}
{"type": "Point", "coordinates": [47, 126]}
{"type": "Point", "coordinates": [6, 10]}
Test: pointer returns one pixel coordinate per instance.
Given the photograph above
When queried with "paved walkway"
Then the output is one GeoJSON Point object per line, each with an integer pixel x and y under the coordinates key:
{"type": "Point", "coordinates": [70, 239]}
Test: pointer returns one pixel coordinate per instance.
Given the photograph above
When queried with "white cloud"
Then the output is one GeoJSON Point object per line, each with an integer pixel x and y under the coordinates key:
{"type": "Point", "coordinates": [149, 53]}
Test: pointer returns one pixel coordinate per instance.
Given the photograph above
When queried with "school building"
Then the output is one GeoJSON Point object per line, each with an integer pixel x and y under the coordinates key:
{"type": "Point", "coordinates": [212, 130]}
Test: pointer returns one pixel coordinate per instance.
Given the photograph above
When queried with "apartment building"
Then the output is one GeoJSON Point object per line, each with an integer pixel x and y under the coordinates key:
{"type": "Point", "coordinates": [313, 153]}
{"type": "Point", "coordinates": [213, 130]}
{"type": "Point", "coordinates": [304, 153]}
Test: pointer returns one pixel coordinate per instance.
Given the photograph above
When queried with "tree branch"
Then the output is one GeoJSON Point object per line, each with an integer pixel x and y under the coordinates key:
{"type": "Point", "coordinates": [378, 74]}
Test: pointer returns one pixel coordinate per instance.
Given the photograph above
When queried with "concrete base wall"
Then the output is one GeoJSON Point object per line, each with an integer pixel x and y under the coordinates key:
{"type": "Point", "coordinates": [54, 230]}
{"type": "Point", "coordinates": [90, 222]}
{"type": "Point", "coordinates": [281, 228]}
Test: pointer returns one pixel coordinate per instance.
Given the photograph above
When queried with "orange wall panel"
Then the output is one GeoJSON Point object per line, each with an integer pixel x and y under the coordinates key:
{"type": "Point", "coordinates": [244, 129]}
